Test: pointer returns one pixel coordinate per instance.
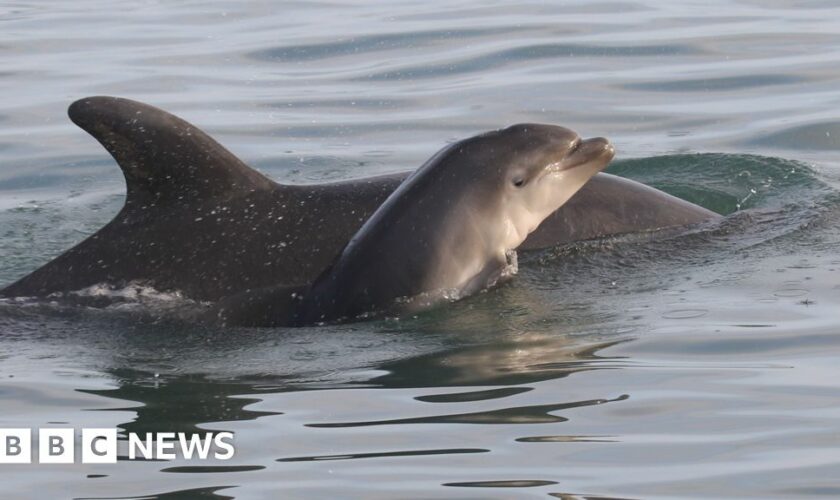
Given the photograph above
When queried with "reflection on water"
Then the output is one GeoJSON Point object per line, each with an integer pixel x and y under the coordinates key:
{"type": "Point", "coordinates": [172, 401]}
{"type": "Point", "coordinates": [179, 403]}
{"type": "Point", "coordinates": [521, 359]}
{"type": "Point", "coordinates": [391, 454]}
{"type": "Point", "coordinates": [212, 493]}
{"type": "Point", "coordinates": [693, 363]}
{"type": "Point", "coordinates": [537, 414]}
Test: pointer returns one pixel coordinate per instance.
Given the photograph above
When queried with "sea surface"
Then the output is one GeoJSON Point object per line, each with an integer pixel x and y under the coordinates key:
{"type": "Point", "coordinates": [704, 364]}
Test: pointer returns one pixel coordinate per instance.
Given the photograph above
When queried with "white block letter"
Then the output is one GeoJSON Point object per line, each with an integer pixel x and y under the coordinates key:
{"type": "Point", "coordinates": [144, 448]}
{"type": "Point", "coordinates": [15, 446]}
{"type": "Point", "coordinates": [166, 449]}
{"type": "Point", "coordinates": [220, 441]}
{"type": "Point", "coordinates": [99, 446]}
{"type": "Point", "coordinates": [56, 446]}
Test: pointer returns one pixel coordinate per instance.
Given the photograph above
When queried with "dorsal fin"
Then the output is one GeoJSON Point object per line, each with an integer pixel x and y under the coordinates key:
{"type": "Point", "coordinates": [163, 157]}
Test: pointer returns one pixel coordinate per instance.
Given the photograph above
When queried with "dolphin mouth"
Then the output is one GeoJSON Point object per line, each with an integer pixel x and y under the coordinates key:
{"type": "Point", "coordinates": [597, 151]}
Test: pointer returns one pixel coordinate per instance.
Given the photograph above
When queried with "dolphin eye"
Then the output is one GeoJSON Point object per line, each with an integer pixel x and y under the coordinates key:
{"type": "Point", "coordinates": [518, 181]}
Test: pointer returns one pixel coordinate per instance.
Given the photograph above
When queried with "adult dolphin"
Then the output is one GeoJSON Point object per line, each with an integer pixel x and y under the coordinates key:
{"type": "Point", "coordinates": [198, 220]}
{"type": "Point", "coordinates": [448, 231]}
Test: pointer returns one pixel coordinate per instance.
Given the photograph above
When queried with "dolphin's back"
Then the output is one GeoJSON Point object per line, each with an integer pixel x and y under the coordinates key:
{"type": "Point", "coordinates": [196, 219]}
{"type": "Point", "coordinates": [609, 205]}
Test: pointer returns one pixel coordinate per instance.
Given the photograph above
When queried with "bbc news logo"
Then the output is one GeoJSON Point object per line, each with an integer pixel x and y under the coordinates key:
{"type": "Point", "coordinates": [100, 446]}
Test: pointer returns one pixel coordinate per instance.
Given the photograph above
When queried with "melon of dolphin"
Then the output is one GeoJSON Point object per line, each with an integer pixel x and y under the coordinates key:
{"type": "Point", "coordinates": [198, 220]}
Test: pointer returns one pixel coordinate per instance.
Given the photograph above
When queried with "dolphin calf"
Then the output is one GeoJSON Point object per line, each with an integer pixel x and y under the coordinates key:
{"type": "Point", "coordinates": [446, 232]}
{"type": "Point", "coordinates": [198, 220]}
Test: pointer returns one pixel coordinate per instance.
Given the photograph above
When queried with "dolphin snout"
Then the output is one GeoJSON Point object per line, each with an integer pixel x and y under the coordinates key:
{"type": "Point", "coordinates": [587, 151]}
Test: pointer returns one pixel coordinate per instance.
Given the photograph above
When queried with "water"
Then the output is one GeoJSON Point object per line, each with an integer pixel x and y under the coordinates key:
{"type": "Point", "coordinates": [696, 365]}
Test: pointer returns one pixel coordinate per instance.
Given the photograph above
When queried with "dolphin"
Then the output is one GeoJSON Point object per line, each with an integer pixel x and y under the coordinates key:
{"type": "Point", "coordinates": [447, 232]}
{"type": "Point", "coordinates": [198, 220]}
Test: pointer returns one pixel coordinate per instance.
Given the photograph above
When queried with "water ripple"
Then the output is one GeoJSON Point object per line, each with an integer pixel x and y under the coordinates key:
{"type": "Point", "coordinates": [537, 414]}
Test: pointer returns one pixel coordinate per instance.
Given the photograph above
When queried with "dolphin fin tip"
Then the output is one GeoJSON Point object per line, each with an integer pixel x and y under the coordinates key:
{"type": "Point", "coordinates": [161, 155]}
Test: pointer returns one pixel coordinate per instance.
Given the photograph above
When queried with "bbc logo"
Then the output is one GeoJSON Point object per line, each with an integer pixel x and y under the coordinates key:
{"type": "Point", "coordinates": [58, 446]}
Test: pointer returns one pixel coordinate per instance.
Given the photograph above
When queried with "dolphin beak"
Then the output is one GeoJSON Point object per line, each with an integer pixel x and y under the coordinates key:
{"type": "Point", "coordinates": [596, 152]}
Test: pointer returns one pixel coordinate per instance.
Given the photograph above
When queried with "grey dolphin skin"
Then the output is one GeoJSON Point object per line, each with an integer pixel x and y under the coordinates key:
{"type": "Point", "coordinates": [198, 220]}
{"type": "Point", "coordinates": [446, 232]}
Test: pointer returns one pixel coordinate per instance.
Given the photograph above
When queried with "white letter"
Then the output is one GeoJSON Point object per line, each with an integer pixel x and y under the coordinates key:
{"type": "Point", "coordinates": [146, 449]}
{"type": "Point", "coordinates": [219, 439]}
{"type": "Point", "coordinates": [195, 444]}
{"type": "Point", "coordinates": [15, 446]}
{"type": "Point", "coordinates": [163, 447]}
{"type": "Point", "coordinates": [55, 446]}
{"type": "Point", "coordinates": [99, 446]}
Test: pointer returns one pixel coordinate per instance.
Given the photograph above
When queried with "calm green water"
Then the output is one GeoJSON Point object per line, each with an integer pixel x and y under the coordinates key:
{"type": "Point", "coordinates": [696, 365]}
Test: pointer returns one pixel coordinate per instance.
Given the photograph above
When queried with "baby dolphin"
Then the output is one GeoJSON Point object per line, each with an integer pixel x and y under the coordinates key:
{"type": "Point", "coordinates": [449, 230]}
